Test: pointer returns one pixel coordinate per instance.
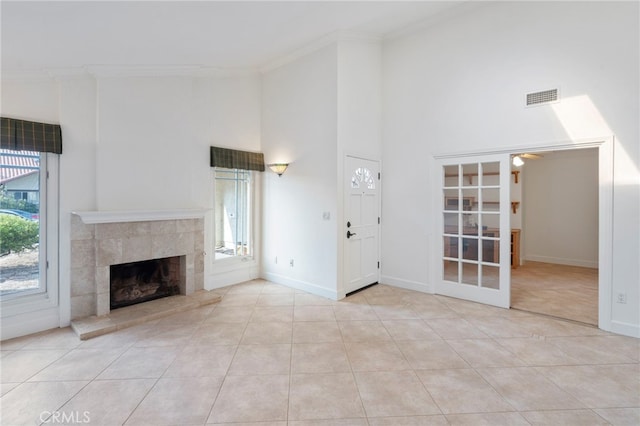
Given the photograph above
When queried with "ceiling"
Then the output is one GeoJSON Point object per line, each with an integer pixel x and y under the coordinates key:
{"type": "Point", "coordinates": [228, 35]}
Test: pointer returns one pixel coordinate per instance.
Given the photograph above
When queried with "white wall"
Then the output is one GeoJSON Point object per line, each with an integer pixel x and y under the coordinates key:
{"type": "Point", "coordinates": [459, 86]}
{"type": "Point", "coordinates": [359, 98]}
{"type": "Point", "coordinates": [561, 208]}
{"type": "Point", "coordinates": [299, 126]}
{"type": "Point", "coordinates": [147, 154]}
{"type": "Point", "coordinates": [26, 99]}
{"type": "Point", "coordinates": [77, 105]}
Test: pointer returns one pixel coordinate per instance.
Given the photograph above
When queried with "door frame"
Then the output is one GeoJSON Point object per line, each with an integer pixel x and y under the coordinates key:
{"type": "Point", "coordinates": [342, 227]}
{"type": "Point", "coordinates": [605, 146]}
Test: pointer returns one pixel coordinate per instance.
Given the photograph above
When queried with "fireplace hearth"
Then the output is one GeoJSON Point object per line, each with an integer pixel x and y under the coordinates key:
{"type": "Point", "coordinates": [138, 282]}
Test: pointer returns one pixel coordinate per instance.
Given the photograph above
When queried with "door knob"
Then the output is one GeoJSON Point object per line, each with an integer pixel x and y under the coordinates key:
{"type": "Point", "coordinates": [350, 234]}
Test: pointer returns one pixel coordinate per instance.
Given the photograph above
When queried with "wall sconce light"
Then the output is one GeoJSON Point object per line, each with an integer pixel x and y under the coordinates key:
{"type": "Point", "coordinates": [517, 161]}
{"type": "Point", "coordinates": [278, 168]}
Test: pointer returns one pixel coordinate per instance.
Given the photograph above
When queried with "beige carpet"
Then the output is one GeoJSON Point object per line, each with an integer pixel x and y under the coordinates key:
{"type": "Point", "coordinates": [562, 291]}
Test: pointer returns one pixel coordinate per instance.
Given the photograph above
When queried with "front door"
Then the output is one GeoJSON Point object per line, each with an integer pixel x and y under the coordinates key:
{"type": "Point", "coordinates": [362, 223]}
{"type": "Point", "coordinates": [473, 211]}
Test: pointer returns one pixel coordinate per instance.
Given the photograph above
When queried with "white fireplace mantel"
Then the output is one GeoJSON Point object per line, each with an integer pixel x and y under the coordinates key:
{"type": "Point", "coordinates": [114, 216]}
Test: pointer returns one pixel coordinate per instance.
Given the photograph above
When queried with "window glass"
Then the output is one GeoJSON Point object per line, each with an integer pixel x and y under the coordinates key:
{"type": "Point", "coordinates": [362, 174]}
{"type": "Point", "coordinates": [232, 213]}
{"type": "Point", "coordinates": [22, 256]}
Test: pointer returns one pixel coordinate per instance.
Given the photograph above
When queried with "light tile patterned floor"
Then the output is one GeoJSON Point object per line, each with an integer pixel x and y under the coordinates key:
{"type": "Point", "coordinates": [270, 355]}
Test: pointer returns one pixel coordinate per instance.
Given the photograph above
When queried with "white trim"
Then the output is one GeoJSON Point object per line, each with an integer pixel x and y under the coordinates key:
{"type": "Point", "coordinates": [28, 76]}
{"type": "Point", "coordinates": [247, 272]}
{"type": "Point", "coordinates": [93, 217]}
{"type": "Point", "coordinates": [438, 18]}
{"type": "Point", "coordinates": [119, 71]}
{"type": "Point", "coordinates": [334, 37]}
{"type": "Point", "coordinates": [563, 145]}
{"type": "Point", "coordinates": [605, 234]}
{"type": "Point", "coordinates": [29, 323]}
{"type": "Point", "coordinates": [624, 328]}
{"type": "Point", "coordinates": [303, 285]}
{"type": "Point", "coordinates": [125, 71]}
{"type": "Point", "coordinates": [562, 261]}
{"type": "Point", "coordinates": [406, 284]}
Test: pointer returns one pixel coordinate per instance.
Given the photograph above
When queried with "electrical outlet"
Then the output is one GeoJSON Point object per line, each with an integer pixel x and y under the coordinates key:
{"type": "Point", "coordinates": [291, 263]}
{"type": "Point", "coordinates": [622, 298]}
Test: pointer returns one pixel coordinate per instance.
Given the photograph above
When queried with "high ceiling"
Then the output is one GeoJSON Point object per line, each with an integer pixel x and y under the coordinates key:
{"type": "Point", "coordinates": [228, 35]}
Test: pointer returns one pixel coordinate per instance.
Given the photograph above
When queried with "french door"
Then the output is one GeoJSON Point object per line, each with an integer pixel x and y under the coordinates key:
{"type": "Point", "coordinates": [473, 245]}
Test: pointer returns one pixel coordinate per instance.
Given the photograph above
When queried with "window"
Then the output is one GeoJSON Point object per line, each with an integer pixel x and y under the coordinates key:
{"type": "Point", "coordinates": [233, 213]}
{"type": "Point", "coordinates": [362, 174]}
{"type": "Point", "coordinates": [22, 223]}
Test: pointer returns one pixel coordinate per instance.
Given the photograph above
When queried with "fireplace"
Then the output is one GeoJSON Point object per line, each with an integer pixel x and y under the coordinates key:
{"type": "Point", "coordinates": [103, 241]}
{"type": "Point", "coordinates": [138, 282]}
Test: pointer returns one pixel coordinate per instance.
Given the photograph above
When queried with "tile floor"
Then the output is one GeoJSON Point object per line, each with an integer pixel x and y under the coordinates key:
{"type": "Point", "coordinates": [270, 355]}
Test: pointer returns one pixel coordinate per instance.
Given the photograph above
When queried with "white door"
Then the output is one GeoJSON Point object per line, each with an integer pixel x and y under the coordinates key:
{"type": "Point", "coordinates": [362, 223]}
{"type": "Point", "coordinates": [473, 210]}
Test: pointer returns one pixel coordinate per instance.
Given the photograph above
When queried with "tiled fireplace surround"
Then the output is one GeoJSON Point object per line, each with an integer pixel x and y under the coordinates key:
{"type": "Point", "coordinates": [102, 239]}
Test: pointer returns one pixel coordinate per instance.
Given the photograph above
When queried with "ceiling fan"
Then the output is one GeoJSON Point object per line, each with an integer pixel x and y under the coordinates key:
{"type": "Point", "coordinates": [518, 159]}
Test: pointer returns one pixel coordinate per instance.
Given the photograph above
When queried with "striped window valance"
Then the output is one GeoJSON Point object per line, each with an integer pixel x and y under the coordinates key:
{"type": "Point", "coordinates": [21, 135]}
{"type": "Point", "coordinates": [234, 159]}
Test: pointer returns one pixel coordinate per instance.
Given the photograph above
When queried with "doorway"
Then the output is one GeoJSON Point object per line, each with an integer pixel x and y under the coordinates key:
{"type": "Point", "coordinates": [362, 223]}
{"type": "Point", "coordinates": [559, 218]}
{"type": "Point", "coordinates": [604, 148]}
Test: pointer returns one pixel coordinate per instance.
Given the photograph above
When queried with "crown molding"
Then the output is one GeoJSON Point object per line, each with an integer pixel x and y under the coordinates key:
{"type": "Point", "coordinates": [119, 71]}
{"type": "Point", "coordinates": [331, 38]}
{"type": "Point", "coordinates": [68, 73]}
{"type": "Point", "coordinates": [124, 71]}
{"type": "Point", "coordinates": [443, 16]}
{"type": "Point", "coordinates": [30, 76]}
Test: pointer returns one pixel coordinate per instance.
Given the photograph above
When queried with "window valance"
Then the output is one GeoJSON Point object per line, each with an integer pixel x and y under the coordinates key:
{"type": "Point", "coordinates": [234, 159]}
{"type": "Point", "coordinates": [22, 135]}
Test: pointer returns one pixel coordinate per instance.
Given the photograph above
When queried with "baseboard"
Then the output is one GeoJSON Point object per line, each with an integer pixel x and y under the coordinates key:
{"type": "Point", "coordinates": [231, 277]}
{"type": "Point", "coordinates": [626, 329]}
{"type": "Point", "coordinates": [406, 284]}
{"type": "Point", "coordinates": [29, 323]}
{"type": "Point", "coordinates": [562, 261]}
{"type": "Point", "coordinates": [302, 285]}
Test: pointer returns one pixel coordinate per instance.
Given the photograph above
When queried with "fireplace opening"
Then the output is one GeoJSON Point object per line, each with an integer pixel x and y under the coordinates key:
{"type": "Point", "coordinates": [137, 282]}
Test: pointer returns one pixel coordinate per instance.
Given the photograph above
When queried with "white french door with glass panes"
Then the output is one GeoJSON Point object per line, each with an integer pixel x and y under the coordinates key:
{"type": "Point", "coordinates": [473, 244]}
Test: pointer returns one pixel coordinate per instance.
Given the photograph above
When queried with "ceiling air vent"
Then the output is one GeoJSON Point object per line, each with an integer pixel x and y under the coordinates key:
{"type": "Point", "coordinates": [544, 97]}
